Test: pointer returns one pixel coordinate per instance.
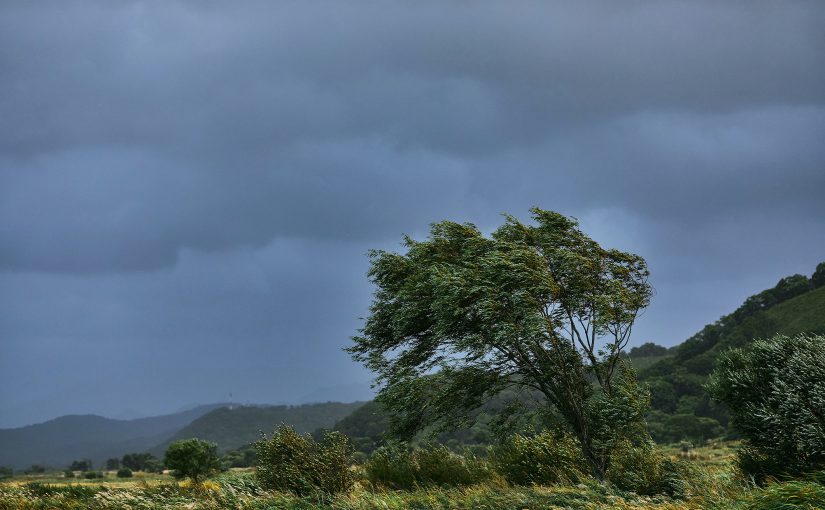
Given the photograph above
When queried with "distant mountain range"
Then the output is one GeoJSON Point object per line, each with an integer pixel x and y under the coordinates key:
{"type": "Point", "coordinates": [56, 443]}
{"type": "Point", "coordinates": [60, 441]}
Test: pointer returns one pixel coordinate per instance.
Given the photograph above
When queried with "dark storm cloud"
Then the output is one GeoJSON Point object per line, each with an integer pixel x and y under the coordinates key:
{"type": "Point", "coordinates": [196, 183]}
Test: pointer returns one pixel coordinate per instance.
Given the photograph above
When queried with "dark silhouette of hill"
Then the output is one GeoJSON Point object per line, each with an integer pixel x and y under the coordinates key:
{"type": "Point", "coordinates": [58, 442]}
{"type": "Point", "coordinates": [237, 426]}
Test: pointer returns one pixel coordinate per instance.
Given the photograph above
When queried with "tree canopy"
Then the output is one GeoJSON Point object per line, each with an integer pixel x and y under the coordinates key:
{"type": "Point", "coordinates": [775, 390]}
{"type": "Point", "coordinates": [537, 307]}
{"type": "Point", "coordinates": [193, 458]}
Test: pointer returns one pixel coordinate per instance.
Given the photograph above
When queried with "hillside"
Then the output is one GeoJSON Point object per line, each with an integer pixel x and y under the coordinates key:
{"type": "Point", "coordinates": [60, 441]}
{"type": "Point", "coordinates": [676, 375]}
{"type": "Point", "coordinates": [233, 427]}
{"type": "Point", "coordinates": [682, 408]}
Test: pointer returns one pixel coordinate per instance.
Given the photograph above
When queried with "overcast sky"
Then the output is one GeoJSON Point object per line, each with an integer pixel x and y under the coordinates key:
{"type": "Point", "coordinates": [188, 189]}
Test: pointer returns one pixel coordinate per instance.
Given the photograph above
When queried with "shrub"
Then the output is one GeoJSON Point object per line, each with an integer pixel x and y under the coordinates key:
{"type": "Point", "coordinates": [794, 495]}
{"type": "Point", "coordinates": [124, 473]}
{"type": "Point", "coordinates": [775, 390]}
{"type": "Point", "coordinates": [394, 467]}
{"type": "Point", "coordinates": [68, 473]}
{"type": "Point", "coordinates": [546, 458]}
{"type": "Point", "coordinates": [92, 475]}
{"type": "Point", "coordinates": [192, 458]}
{"type": "Point", "coordinates": [644, 470]}
{"type": "Point", "coordinates": [296, 463]}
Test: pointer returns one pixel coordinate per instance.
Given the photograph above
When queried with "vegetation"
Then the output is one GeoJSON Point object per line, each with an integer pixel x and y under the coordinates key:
{"type": "Point", "coordinates": [682, 408]}
{"type": "Point", "coordinates": [239, 426]}
{"type": "Point", "coordinates": [540, 308]}
{"type": "Point", "coordinates": [141, 462]}
{"type": "Point", "coordinates": [124, 473]}
{"type": "Point", "coordinates": [291, 462]}
{"type": "Point", "coordinates": [433, 465]}
{"type": "Point", "coordinates": [775, 390]}
{"type": "Point", "coordinates": [712, 483]}
{"type": "Point", "coordinates": [192, 458]}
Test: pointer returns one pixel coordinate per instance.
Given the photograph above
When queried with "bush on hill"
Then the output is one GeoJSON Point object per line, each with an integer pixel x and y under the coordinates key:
{"type": "Point", "coordinates": [775, 390]}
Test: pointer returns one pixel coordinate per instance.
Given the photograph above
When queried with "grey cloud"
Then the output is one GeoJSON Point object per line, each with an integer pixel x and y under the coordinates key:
{"type": "Point", "coordinates": [197, 183]}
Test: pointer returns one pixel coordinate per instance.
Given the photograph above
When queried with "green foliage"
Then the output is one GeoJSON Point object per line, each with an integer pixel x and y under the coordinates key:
{"type": "Point", "coordinates": [238, 426]}
{"type": "Point", "coordinates": [6, 472]}
{"type": "Point", "coordinates": [792, 307]}
{"type": "Point", "coordinates": [546, 458]}
{"type": "Point", "coordinates": [539, 308]}
{"type": "Point", "coordinates": [140, 462]}
{"type": "Point", "coordinates": [124, 473]}
{"type": "Point", "coordinates": [192, 458]}
{"type": "Point", "coordinates": [242, 457]}
{"type": "Point", "coordinates": [81, 465]}
{"type": "Point", "coordinates": [644, 470]}
{"type": "Point", "coordinates": [113, 464]}
{"type": "Point", "coordinates": [775, 390]}
{"type": "Point", "coordinates": [818, 278]}
{"type": "Point", "coordinates": [91, 475]}
{"type": "Point", "coordinates": [395, 467]}
{"type": "Point", "coordinates": [288, 461]}
{"type": "Point", "coordinates": [35, 469]}
{"type": "Point", "coordinates": [648, 349]}
{"type": "Point", "coordinates": [68, 473]}
{"type": "Point", "coordinates": [793, 495]}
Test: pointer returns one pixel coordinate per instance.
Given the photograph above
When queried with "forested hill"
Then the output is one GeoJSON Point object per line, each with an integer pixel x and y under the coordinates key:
{"type": "Point", "coordinates": [233, 427]}
{"type": "Point", "coordinates": [682, 408]}
{"type": "Point", "coordinates": [58, 442]}
{"type": "Point", "coordinates": [676, 375]}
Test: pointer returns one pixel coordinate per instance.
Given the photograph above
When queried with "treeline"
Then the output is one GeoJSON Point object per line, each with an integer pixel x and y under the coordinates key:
{"type": "Point", "coordinates": [682, 409]}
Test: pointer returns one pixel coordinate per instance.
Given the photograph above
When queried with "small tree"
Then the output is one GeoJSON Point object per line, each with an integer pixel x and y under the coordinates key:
{"type": "Point", "coordinates": [192, 458]}
{"type": "Point", "coordinates": [81, 465]}
{"type": "Point", "coordinates": [113, 464]}
{"type": "Point", "coordinates": [140, 462]}
{"type": "Point", "coordinates": [542, 308]}
{"type": "Point", "coordinates": [775, 390]}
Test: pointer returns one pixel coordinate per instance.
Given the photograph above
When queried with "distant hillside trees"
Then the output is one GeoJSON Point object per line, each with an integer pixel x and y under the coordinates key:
{"type": "Point", "coordinates": [81, 465]}
{"type": "Point", "coordinates": [113, 464]}
{"type": "Point", "coordinates": [648, 349]}
{"type": "Point", "coordinates": [141, 462]}
{"type": "Point", "coordinates": [677, 383]}
{"type": "Point", "coordinates": [775, 390]}
{"type": "Point", "coordinates": [462, 316]}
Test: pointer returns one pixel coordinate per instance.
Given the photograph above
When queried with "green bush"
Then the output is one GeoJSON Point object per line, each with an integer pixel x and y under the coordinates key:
{"type": "Point", "coordinates": [794, 495]}
{"type": "Point", "coordinates": [68, 473]}
{"type": "Point", "coordinates": [546, 458]}
{"type": "Point", "coordinates": [192, 458]}
{"type": "Point", "coordinates": [394, 467]}
{"type": "Point", "coordinates": [124, 473]}
{"type": "Point", "coordinates": [644, 470]}
{"type": "Point", "coordinates": [92, 475]}
{"type": "Point", "coordinates": [296, 463]}
{"type": "Point", "coordinates": [775, 390]}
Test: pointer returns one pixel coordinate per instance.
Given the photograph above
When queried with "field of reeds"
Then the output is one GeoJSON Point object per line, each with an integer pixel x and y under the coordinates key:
{"type": "Point", "coordinates": [715, 485]}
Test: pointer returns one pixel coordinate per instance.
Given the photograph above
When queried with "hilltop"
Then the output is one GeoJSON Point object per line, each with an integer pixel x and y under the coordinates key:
{"type": "Point", "coordinates": [681, 407]}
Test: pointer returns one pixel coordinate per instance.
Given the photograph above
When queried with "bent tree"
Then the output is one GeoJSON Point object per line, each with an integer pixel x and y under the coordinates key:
{"type": "Point", "coordinates": [541, 307]}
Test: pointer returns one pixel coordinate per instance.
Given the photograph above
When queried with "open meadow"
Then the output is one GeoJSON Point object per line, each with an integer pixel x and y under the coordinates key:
{"type": "Point", "coordinates": [714, 485]}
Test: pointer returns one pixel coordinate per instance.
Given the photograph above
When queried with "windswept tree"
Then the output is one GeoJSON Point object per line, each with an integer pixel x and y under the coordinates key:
{"type": "Point", "coordinates": [539, 307]}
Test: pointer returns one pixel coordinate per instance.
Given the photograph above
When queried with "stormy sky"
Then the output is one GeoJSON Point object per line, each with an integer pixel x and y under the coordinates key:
{"type": "Point", "coordinates": [188, 189]}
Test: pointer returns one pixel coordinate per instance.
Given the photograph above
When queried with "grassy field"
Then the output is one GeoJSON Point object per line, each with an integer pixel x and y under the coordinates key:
{"type": "Point", "coordinates": [717, 487]}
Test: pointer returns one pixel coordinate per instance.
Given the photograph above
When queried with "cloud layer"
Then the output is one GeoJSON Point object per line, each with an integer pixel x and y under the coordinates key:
{"type": "Point", "coordinates": [187, 190]}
